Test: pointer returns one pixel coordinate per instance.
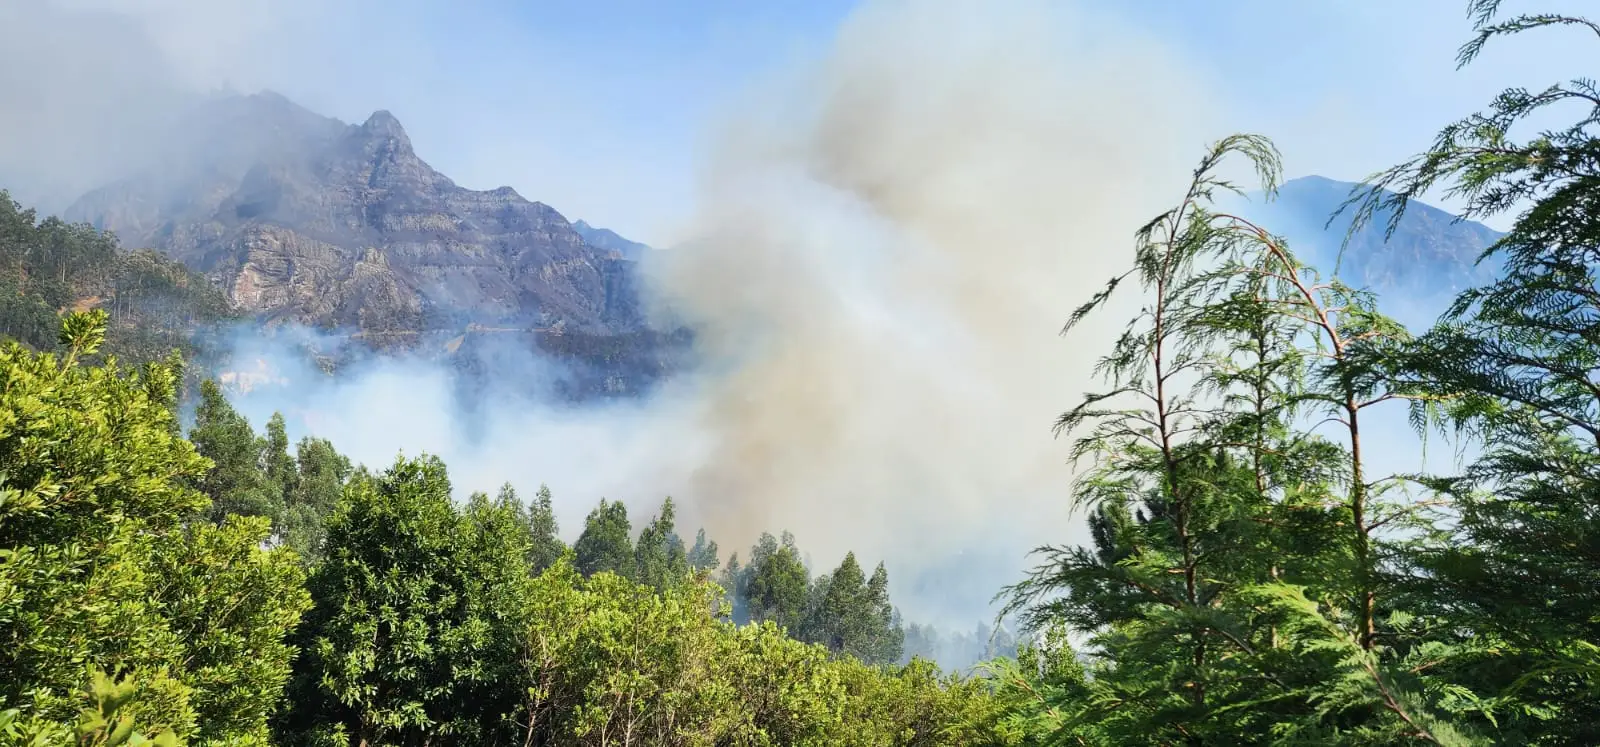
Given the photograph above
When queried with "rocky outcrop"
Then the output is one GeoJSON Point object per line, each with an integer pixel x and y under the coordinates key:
{"type": "Point", "coordinates": [301, 218]}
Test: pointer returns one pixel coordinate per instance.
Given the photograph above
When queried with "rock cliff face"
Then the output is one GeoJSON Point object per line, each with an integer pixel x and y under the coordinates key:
{"type": "Point", "coordinates": [302, 218]}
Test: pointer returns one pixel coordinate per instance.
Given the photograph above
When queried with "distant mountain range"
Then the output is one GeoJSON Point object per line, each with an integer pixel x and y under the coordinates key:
{"type": "Point", "coordinates": [1416, 272]}
{"type": "Point", "coordinates": [605, 238]}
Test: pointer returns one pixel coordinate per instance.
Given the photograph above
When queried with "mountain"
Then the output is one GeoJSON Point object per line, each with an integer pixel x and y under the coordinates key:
{"type": "Point", "coordinates": [605, 238]}
{"type": "Point", "coordinates": [302, 218]}
{"type": "Point", "coordinates": [1416, 272]}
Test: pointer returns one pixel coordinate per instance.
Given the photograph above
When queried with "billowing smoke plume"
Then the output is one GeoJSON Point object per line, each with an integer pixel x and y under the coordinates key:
{"type": "Point", "coordinates": [885, 252]}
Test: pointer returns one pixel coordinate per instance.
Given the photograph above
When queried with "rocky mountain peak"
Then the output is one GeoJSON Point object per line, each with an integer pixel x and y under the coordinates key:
{"type": "Point", "coordinates": [383, 124]}
{"type": "Point", "coordinates": [338, 225]}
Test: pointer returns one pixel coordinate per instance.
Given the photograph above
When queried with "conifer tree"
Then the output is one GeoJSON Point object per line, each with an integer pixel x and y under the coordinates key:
{"type": "Point", "coordinates": [1515, 588]}
{"type": "Point", "coordinates": [855, 616]}
{"type": "Point", "coordinates": [659, 555]}
{"type": "Point", "coordinates": [775, 583]}
{"type": "Point", "coordinates": [320, 475]}
{"type": "Point", "coordinates": [734, 576]}
{"type": "Point", "coordinates": [703, 555]}
{"type": "Point", "coordinates": [1199, 489]}
{"type": "Point", "coordinates": [546, 546]}
{"type": "Point", "coordinates": [281, 470]}
{"type": "Point", "coordinates": [886, 636]}
{"type": "Point", "coordinates": [606, 543]}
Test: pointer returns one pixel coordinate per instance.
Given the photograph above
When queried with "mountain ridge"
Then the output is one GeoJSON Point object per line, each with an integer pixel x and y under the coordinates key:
{"type": "Point", "coordinates": [302, 218]}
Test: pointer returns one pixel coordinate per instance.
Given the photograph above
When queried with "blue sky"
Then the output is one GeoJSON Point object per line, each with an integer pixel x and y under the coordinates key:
{"type": "Point", "coordinates": [603, 108]}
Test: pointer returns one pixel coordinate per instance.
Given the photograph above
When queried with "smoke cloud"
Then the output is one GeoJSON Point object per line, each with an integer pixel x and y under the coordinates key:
{"type": "Point", "coordinates": [887, 247]}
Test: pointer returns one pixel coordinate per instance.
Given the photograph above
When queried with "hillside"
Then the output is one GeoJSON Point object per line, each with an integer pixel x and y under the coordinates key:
{"type": "Point", "coordinates": [48, 266]}
{"type": "Point", "coordinates": [609, 240]}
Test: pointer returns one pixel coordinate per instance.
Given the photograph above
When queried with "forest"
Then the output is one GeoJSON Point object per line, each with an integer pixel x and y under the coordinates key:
{"type": "Point", "coordinates": [1252, 577]}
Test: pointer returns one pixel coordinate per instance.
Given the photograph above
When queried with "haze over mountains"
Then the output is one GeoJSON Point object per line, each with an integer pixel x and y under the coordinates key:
{"type": "Point", "coordinates": [301, 218]}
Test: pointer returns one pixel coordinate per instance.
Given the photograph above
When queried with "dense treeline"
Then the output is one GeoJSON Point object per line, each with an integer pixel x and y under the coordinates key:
{"type": "Point", "coordinates": [239, 595]}
{"type": "Point", "coordinates": [1251, 579]}
{"type": "Point", "coordinates": [48, 266]}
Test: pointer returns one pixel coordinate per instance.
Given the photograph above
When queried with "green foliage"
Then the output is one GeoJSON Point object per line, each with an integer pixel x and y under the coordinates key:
{"type": "Point", "coordinates": [105, 722]}
{"type": "Point", "coordinates": [1232, 591]}
{"type": "Point", "coordinates": [547, 546]}
{"type": "Point", "coordinates": [102, 725]}
{"type": "Point", "coordinates": [317, 483]}
{"type": "Point", "coordinates": [97, 566]}
{"type": "Point", "coordinates": [1247, 579]}
{"type": "Point", "coordinates": [49, 267]}
{"type": "Point", "coordinates": [703, 556]}
{"type": "Point", "coordinates": [236, 606]}
{"type": "Point", "coordinates": [1511, 593]}
{"type": "Point", "coordinates": [605, 544]}
{"type": "Point", "coordinates": [236, 483]}
{"type": "Point", "coordinates": [659, 556]}
{"type": "Point", "coordinates": [430, 626]}
{"type": "Point", "coordinates": [854, 616]}
{"type": "Point", "coordinates": [387, 607]}
{"type": "Point", "coordinates": [775, 585]}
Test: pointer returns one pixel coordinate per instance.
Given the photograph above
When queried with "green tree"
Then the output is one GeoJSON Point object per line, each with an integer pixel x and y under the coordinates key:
{"type": "Point", "coordinates": [1231, 590]}
{"type": "Point", "coordinates": [547, 545]}
{"type": "Point", "coordinates": [320, 476]}
{"type": "Point", "coordinates": [775, 584]}
{"type": "Point", "coordinates": [235, 605]}
{"type": "Point", "coordinates": [659, 555]}
{"type": "Point", "coordinates": [885, 635]}
{"type": "Point", "coordinates": [237, 482]}
{"type": "Point", "coordinates": [281, 470]}
{"type": "Point", "coordinates": [98, 567]}
{"type": "Point", "coordinates": [1514, 590]}
{"type": "Point", "coordinates": [484, 651]}
{"type": "Point", "coordinates": [703, 555]}
{"type": "Point", "coordinates": [387, 605]}
{"type": "Point", "coordinates": [732, 580]}
{"type": "Point", "coordinates": [606, 543]}
{"type": "Point", "coordinates": [851, 615]}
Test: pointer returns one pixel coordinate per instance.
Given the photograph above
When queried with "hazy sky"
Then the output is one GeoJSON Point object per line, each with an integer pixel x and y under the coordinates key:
{"type": "Point", "coordinates": [601, 107]}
